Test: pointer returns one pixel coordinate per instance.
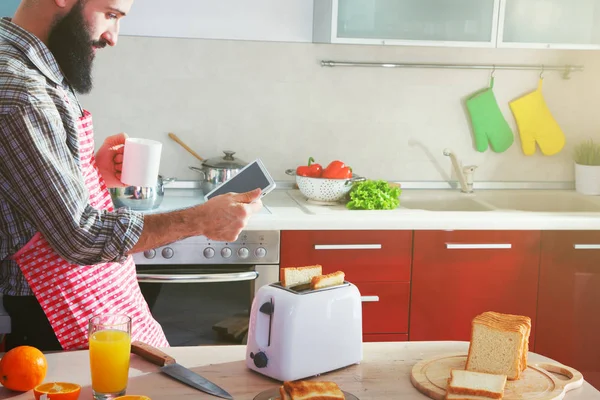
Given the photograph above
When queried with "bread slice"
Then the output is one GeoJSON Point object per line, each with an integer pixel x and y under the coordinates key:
{"type": "Point", "coordinates": [476, 384]}
{"type": "Point", "coordinates": [313, 390]}
{"type": "Point", "coordinates": [453, 396]}
{"type": "Point", "coordinates": [294, 276]}
{"type": "Point", "coordinates": [499, 344]}
{"type": "Point", "coordinates": [283, 395]}
{"type": "Point", "coordinates": [323, 281]}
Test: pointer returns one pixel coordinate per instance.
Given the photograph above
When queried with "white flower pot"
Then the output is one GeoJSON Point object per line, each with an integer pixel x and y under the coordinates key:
{"type": "Point", "coordinates": [587, 179]}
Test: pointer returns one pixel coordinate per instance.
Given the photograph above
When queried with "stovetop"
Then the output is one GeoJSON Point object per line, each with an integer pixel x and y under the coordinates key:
{"type": "Point", "coordinates": [251, 247]}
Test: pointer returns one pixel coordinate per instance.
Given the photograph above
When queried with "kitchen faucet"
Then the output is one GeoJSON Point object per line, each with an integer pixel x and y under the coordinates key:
{"type": "Point", "coordinates": [465, 175]}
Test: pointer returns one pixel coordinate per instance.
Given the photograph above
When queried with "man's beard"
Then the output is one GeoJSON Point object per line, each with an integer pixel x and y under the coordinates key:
{"type": "Point", "coordinates": [72, 46]}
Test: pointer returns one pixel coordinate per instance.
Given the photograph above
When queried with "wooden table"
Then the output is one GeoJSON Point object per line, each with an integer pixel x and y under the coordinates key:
{"type": "Point", "coordinates": [383, 374]}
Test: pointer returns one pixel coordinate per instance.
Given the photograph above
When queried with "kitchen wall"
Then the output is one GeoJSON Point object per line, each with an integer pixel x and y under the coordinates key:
{"type": "Point", "coordinates": [273, 100]}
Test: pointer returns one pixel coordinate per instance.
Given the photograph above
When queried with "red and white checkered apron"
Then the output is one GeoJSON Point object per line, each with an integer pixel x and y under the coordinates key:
{"type": "Point", "coordinates": [71, 294]}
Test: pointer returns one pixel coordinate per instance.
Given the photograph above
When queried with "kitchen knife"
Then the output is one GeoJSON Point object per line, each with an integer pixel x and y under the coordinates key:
{"type": "Point", "coordinates": [170, 367]}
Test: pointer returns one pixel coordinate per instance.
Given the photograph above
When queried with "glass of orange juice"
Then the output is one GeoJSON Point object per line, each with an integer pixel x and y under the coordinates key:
{"type": "Point", "coordinates": [110, 347]}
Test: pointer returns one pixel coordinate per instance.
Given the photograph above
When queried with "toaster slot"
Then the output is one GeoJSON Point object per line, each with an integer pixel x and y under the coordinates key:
{"type": "Point", "coordinates": [305, 288]}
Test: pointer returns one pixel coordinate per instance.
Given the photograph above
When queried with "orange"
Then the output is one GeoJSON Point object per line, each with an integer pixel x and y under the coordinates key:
{"type": "Point", "coordinates": [133, 397]}
{"type": "Point", "coordinates": [57, 391]}
{"type": "Point", "coordinates": [23, 368]}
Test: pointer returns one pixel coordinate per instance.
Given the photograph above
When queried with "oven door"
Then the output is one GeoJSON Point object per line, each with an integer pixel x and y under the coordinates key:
{"type": "Point", "coordinates": [203, 304]}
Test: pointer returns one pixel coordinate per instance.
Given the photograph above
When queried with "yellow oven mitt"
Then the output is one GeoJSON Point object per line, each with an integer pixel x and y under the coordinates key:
{"type": "Point", "coordinates": [536, 124]}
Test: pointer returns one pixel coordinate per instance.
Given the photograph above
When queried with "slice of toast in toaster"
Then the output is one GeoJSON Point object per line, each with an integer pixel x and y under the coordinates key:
{"type": "Point", "coordinates": [323, 281]}
{"type": "Point", "coordinates": [314, 390]}
{"type": "Point", "coordinates": [294, 276]}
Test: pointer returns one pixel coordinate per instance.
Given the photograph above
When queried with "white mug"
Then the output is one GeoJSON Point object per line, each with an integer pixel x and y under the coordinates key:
{"type": "Point", "coordinates": [141, 162]}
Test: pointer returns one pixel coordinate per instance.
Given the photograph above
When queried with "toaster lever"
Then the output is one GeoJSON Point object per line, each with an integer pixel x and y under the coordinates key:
{"type": "Point", "coordinates": [267, 308]}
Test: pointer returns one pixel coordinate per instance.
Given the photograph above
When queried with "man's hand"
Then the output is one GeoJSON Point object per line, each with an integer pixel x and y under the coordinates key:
{"type": "Point", "coordinates": [223, 217]}
{"type": "Point", "coordinates": [109, 160]}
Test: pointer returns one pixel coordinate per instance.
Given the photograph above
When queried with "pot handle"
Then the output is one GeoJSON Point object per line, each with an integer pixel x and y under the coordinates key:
{"type": "Point", "coordinates": [291, 172]}
{"type": "Point", "coordinates": [198, 170]}
{"type": "Point", "coordinates": [355, 178]}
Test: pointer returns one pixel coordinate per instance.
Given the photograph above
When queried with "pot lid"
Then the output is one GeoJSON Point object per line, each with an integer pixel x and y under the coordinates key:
{"type": "Point", "coordinates": [228, 161]}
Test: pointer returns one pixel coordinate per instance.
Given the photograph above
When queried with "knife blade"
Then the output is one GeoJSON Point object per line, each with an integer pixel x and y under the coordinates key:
{"type": "Point", "coordinates": [169, 366]}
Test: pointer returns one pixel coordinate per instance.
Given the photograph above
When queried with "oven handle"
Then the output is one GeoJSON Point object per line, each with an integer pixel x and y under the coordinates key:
{"type": "Point", "coordinates": [199, 278]}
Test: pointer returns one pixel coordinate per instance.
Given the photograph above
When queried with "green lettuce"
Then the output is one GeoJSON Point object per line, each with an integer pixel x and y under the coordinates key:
{"type": "Point", "coordinates": [373, 195]}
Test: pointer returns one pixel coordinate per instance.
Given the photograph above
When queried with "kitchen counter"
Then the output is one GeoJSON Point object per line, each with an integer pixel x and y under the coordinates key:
{"type": "Point", "coordinates": [383, 374]}
{"type": "Point", "coordinates": [287, 209]}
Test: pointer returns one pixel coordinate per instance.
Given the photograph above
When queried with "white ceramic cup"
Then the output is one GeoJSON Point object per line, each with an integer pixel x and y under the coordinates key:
{"type": "Point", "coordinates": [141, 162]}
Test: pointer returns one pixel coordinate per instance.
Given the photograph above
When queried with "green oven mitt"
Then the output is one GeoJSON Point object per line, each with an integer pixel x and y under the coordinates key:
{"type": "Point", "coordinates": [489, 125]}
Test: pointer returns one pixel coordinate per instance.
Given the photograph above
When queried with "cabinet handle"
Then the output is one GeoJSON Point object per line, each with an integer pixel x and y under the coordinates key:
{"type": "Point", "coordinates": [347, 246]}
{"type": "Point", "coordinates": [586, 246]}
{"type": "Point", "coordinates": [369, 299]}
{"type": "Point", "coordinates": [463, 246]}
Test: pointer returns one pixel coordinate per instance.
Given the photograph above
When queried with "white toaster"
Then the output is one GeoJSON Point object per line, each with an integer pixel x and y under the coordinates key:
{"type": "Point", "coordinates": [298, 334]}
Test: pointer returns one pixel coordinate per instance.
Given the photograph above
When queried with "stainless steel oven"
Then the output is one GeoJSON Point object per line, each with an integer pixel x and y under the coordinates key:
{"type": "Point", "coordinates": [201, 291]}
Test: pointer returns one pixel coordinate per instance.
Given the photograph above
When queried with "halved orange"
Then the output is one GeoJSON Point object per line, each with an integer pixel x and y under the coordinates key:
{"type": "Point", "coordinates": [133, 397]}
{"type": "Point", "coordinates": [57, 391]}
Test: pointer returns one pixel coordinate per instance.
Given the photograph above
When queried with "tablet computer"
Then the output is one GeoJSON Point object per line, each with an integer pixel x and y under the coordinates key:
{"type": "Point", "coordinates": [252, 176]}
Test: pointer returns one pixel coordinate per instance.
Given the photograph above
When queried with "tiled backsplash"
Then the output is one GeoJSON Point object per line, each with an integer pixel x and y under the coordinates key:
{"type": "Point", "coordinates": [274, 101]}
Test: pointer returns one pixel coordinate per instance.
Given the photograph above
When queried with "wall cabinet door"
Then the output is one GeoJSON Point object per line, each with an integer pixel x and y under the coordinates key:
{"type": "Point", "coordinates": [459, 274]}
{"type": "Point", "coordinates": [552, 24]}
{"type": "Point", "coordinates": [569, 301]}
{"type": "Point", "coordinates": [407, 22]}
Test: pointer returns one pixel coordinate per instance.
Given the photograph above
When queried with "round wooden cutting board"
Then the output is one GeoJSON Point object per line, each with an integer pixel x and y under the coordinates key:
{"type": "Point", "coordinates": [536, 383]}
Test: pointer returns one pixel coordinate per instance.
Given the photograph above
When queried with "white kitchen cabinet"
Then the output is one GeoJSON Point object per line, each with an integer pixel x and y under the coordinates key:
{"type": "Point", "coordinates": [465, 23]}
{"type": "Point", "coordinates": [551, 24]}
{"type": "Point", "coordinates": [257, 20]}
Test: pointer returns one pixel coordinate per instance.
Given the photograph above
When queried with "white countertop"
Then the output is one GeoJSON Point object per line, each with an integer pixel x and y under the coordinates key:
{"type": "Point", "coordinates": [287, 209]}
{"type": "Point", "coordinates": [384, 372]}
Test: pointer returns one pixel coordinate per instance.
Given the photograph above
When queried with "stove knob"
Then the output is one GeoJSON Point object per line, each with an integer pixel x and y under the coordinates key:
{"type": "Point", "coordinates": [260, 360]}
{"type": "Point", "coordinates": [209, 252]}
{"type": "Point", "coordinates": [150, 253]}
{"type": "Point", "coordinates": [243, 252]}
{"type": "Point", "coordinates": [226, 252]}
{"type": "Point", "coordinates": [168, 252]}
{"type": "Point", "coordinates": [260, 252]}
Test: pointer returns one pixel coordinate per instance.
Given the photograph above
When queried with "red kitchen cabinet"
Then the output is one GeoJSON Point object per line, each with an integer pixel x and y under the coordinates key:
{"type": "Point", "coordinates": [385, 306]}
{"type": "Point", "coordinates": [568, 322]}
{"type": "Point", "coordinates": [385, 337]}
{"type": "Point", "coordinates": [459, 274]}
{"type": "Point", "coordinates": [377, 262]}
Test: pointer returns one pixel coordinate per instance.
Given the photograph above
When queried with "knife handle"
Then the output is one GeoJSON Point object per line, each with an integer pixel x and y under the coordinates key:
{"type": "Point", "coordinates": [152, 354]}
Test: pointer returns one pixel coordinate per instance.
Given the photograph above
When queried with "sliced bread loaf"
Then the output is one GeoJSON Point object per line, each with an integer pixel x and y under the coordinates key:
{"type": "Point", "coordinates": [476, 384]}
{"type": "Point", "coordinates": [499, 344]}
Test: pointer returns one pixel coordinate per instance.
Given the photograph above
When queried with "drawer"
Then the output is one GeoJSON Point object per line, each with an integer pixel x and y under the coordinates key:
{"type": "Point", "coordinates": [385, 306]}
{"type": "Point", "coordinates": [385, 337]}
{"type": "Point", "coordinates": [364, 256]}
{"type": "Point", "coordinates": [480, 242]}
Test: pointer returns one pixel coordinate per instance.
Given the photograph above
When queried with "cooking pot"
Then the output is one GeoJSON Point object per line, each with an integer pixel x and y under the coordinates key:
{"type": "Point", "coordinates": [215, 171]}
{"type": "Point", "coordinates": [140, 198]}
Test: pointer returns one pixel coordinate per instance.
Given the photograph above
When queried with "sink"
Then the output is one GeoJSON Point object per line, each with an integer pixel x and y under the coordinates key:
{"type": "Point", "coordinates": [539, 200]}
{"type": "Point", "coordinates": [441, 201]}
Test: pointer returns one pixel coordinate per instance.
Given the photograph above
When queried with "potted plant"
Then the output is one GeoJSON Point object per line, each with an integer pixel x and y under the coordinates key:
{"type": "Point", "coordinates": [587, 168]}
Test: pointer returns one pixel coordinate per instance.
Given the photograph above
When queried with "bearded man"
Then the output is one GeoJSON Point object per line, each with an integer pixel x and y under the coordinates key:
{"type": "Point", "coordinates": [65, 251]}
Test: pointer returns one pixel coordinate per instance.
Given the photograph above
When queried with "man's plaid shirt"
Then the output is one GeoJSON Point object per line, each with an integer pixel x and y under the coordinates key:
{"type": "Point", "coordinates": [41, 184]}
